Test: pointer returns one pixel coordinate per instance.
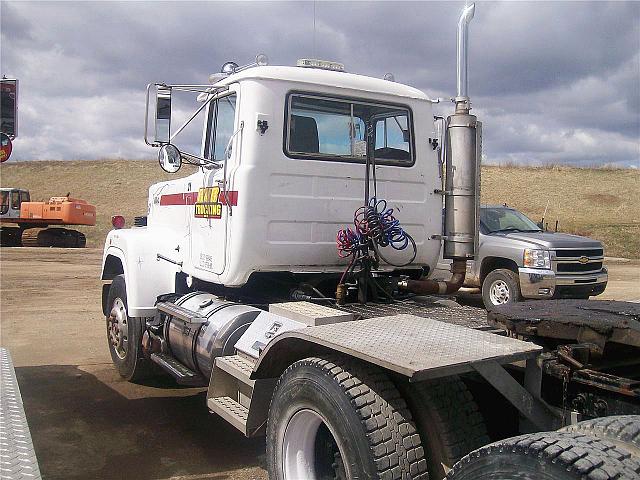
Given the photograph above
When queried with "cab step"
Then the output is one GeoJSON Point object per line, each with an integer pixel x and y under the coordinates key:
{"type": "Point", "coordinates": [238, 367]}
{"type": "Point", "coordinates": [236, 398]}
{"type": "Point", "coordinates": [230, 410]}
{"type": "Point", "coordinates": [182, 374]}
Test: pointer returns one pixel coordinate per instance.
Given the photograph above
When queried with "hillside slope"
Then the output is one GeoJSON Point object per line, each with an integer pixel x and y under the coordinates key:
{"type": "Point", "coordinates": [601, 203]}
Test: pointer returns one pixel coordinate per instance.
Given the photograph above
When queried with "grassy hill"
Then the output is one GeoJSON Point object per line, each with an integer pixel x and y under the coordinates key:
{"type": "Point", "coordinates": [601, 203]}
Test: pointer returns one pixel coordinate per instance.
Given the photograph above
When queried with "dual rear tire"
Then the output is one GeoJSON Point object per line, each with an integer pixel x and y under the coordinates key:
{"type": "Point", "coordinates": [601, 449]}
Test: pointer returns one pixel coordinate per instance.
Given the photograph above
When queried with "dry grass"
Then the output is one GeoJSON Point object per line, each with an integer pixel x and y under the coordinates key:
{"type": "Point", "coordinates": [113, 186]}
{"type": "Point", "coordinates": [602, 203]}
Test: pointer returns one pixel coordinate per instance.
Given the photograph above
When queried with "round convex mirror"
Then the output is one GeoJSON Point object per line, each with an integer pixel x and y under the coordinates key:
{"type": "Point", "coordinates": [169, 158]}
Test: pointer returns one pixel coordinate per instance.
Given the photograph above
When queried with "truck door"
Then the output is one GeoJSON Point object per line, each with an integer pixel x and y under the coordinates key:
{"type": "Point", "coordinates": [215, 197]}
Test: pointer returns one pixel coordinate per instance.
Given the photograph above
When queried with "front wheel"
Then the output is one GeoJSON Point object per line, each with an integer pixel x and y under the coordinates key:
{"type": "Point", "coordinates": [335, 418]}
{"type": "Point", "coordinates": [500, 287]}
{"type": "Point", "coordinates": [124, 335]}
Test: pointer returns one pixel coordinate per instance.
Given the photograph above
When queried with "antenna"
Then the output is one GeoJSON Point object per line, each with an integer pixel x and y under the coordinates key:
{"type": "Point", "coordinates": [314, 28]}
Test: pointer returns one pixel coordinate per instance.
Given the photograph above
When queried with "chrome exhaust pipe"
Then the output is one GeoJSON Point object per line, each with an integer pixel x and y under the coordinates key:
{"type": "Point", "coordinates": [463, 151]}
{"type": "Point", "coordinates": [462, 51]}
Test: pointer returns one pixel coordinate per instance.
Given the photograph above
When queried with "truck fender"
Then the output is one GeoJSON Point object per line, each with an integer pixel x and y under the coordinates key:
{"type": "Point", "coordinates": [113, 264]}
{"type": "Point", "coordinates": [134, 254]}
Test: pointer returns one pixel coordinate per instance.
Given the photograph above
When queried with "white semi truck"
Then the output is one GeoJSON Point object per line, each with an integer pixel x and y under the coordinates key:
{"type": "Point", "coordinates": [288, 275]}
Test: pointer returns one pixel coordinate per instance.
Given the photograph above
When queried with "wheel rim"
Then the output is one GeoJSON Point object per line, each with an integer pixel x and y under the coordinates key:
{"type": "Point", "coordinates": [499, 292]}
{"type": "Point", "coordinates": [117, 328]}
{"type": "Point", "coordinates": [303, 452]}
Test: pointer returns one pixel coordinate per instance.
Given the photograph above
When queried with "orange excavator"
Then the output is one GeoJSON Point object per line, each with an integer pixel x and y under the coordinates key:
{"type": "Point", "coordinates": [40, 224]}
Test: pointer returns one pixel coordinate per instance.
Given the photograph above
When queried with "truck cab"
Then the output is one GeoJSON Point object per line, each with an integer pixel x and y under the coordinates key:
{"type": "Point", "coordinates": [282, 171]}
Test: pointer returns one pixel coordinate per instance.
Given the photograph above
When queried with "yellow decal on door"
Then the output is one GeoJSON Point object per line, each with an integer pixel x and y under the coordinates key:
{"type": "Point", "coordinates": [208, 203]}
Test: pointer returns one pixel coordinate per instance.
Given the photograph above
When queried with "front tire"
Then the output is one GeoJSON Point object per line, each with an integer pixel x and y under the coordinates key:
{"type": "Point", "coordinates": [500, 287]}
{"type": "Point", "coordinates": [332, 417]}
{"type": "Point", "coordinates": [124, 335]}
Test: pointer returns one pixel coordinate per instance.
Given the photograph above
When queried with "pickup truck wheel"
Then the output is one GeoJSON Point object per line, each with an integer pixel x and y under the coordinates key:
{"type": "Point", "coordinates": [501, 286]}
{"type": "Point", "coordinates": [124, 335]}
{"type": "Point", "coordinates": [623, 430]}
{"type": "Point", "coordinates": [548, 456]}
{"type": "Point", "coordinates": [335, 418]}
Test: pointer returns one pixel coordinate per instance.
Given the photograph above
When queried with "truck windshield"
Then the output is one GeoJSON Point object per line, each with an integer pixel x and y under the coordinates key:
{"type": "Point", "coordinates": [502, 219]}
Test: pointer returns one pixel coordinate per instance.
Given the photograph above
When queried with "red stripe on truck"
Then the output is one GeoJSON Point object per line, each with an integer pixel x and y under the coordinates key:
{"type": "Point", "coordinates": [189, 198]}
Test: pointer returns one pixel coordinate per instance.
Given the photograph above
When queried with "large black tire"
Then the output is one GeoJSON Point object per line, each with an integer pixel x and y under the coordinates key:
{"type": "Point", "coordinates": [125, 344]}
{"type": "Point", "coordinates": [500, 287]}
{"type": "Point", "coordinates": [362, 415]}
{"type": "Point", "coordinates": [448, 420]}
{"type": "Point", "coordinates": [623, 430]}
{"type": "Point", "coordinates": [548, 456]}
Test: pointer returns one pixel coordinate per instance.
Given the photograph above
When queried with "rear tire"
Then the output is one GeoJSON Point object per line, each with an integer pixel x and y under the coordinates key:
{"type": "Point", "coordinates": [332, 417]}
{"type": "Point", "coordinates": [548, 456]}
{"type": "Point", "coordinates": [500, 287]}
{"type": "Point", "coordinates": [448, 420]}
{"type": "Point", "coordinates": [622, 430]}
{"type": "Point", "coordinates": [124, 335]}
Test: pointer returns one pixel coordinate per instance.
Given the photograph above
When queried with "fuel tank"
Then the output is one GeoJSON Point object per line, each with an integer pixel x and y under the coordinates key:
{"type": "Point", "coordinates": [220, 324]}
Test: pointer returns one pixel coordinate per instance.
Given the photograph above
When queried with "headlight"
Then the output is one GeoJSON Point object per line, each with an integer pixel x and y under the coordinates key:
{"type": "Point", "coordinates": [537, 258]}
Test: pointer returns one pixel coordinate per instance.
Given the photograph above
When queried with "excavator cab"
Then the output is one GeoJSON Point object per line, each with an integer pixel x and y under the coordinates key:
{"type": "Point", "coordinates": [11, 200]}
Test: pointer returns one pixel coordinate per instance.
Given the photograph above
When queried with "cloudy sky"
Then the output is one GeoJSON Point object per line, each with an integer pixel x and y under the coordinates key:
{"type": "Point", "coordinates": [553, 82]}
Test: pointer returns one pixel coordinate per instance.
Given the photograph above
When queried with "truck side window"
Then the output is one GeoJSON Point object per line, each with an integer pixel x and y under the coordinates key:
{"type": "Point", "coordinates": [335, 129]}
{"type": "Point", "coordinates": [24, 197]}
{"type": "Point", "coordinates": [15, 200]}
{"type": "Point", "coordinates": [4, 204]}
{"type": "Point", "coordinates": [392, 137]}
{"type": "Point", "coordinates": [224, 123]}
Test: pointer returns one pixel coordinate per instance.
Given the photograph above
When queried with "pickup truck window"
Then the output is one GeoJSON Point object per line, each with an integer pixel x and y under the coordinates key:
{"type": "Point", "coordinates": [502, 219]}
{"type": "Point", "coordinates": [335, 129]}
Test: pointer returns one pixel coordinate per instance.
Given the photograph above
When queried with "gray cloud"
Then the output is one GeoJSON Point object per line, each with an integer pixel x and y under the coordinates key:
{"type": "Point", "coordinates": [552, 81]}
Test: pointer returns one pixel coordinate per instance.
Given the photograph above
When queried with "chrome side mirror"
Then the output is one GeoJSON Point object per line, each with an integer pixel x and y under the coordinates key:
{"type": "Point", "coordinates": [163, 114]}
{"type": "Point", "coordinates": [169, 158]}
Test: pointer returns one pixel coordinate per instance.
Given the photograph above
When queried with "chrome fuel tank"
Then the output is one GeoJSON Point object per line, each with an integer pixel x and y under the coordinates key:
{"type": "Point", "coordinates": [196, 345]}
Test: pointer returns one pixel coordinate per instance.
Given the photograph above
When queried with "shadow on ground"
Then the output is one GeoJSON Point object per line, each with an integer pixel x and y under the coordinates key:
{"type": "Point", "coordinates": [82, 429]}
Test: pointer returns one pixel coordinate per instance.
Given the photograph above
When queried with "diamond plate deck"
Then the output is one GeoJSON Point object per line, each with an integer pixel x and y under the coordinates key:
{"type": "Point", "coordinates": [17, 457]}
{"type": "Point", "coordinates": [416, 347]}
{"type": "Point", "coordinates": [426, 307]}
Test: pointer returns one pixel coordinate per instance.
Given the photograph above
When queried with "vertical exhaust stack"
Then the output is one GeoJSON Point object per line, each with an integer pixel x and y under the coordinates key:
{"type": "Point", "coordinates": [462, 146]}
{"type": "Point", "coordinates": [462, 199]}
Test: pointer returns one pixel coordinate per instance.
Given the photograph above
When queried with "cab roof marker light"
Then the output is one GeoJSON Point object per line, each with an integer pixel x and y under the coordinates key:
{"type": "Point", "coordinates": [321, 64]}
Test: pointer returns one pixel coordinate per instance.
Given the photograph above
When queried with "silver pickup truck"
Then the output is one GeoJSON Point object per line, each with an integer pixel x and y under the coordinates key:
{"type": "Point", "coordinates": [517, 259]}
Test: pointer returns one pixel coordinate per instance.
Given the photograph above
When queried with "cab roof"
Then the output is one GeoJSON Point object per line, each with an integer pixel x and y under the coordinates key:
{"type": "Point", "coordinates": [316, 76]}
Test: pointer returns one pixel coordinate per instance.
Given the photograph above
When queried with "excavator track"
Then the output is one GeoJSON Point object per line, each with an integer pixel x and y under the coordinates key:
{"type": "Point", "coordinates": [53, 237]}
{"type": "Point", "coordinates": [10, 237]}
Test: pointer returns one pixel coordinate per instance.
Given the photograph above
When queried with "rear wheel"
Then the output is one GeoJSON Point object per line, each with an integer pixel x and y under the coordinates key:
{"type": "Point", "coordinates": [448, 419]}
{"type": "Point", "coordinates": [548, 456]}
{"type": "Point", "coordinates": [623, 430]}
{"type": "Point", "coordinates": [124, 335]}
{"type": "Point", "coordinates": [500, 287]}
{"type": "Point", "coordinates": [334, 417]}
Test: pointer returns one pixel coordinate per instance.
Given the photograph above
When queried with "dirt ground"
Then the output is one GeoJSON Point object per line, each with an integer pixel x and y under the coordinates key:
{"type": "Point", "coordinates": [86, 422]}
